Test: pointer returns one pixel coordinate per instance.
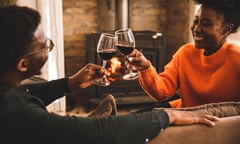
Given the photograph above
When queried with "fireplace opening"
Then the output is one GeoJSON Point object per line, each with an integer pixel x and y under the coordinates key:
{"type": "Point", "coordinates": [116, 68]}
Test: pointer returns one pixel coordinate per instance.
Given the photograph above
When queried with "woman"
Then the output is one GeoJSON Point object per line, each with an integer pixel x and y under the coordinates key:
{"type": "Point", "coordinates": [205, 71]}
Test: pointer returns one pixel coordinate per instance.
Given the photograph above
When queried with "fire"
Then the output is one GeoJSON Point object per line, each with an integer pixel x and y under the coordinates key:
{"type": "Point", "coordinates": [116, 68]}
{"type": "Point", "coordinates": [115, 64]}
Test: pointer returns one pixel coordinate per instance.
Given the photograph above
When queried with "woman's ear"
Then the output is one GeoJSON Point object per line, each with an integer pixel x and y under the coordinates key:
{"type": "Point", "coordinates": [228, 29]}
{"type": "Point", "coordinates": [23, 64]}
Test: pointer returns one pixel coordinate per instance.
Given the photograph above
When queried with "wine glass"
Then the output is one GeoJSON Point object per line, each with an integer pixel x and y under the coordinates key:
{"type": "Point", "coordinates": [125, 44]}
{"type": "Point", "coordinates": [106, 49]}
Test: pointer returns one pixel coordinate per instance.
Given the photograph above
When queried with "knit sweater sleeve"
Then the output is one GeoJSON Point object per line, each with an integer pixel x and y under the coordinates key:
{"type": "Point", "coordinates": [162, 85]}
{"type": "Point", "coordinates": [122, 129]}
{"type": "Point", "coordinates": [32, 124]}
{"type": "Point", "coordinates": [25, 119]}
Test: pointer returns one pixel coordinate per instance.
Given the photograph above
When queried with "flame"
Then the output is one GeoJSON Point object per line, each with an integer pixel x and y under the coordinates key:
{"type": "Point", "coordinates": [115, 64]}
{"type": "Point", "coordinates": [116, 68]}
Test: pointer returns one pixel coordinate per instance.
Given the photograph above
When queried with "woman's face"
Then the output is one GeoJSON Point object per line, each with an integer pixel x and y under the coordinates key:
{"type": "Point", "coordinates": [208, 29]}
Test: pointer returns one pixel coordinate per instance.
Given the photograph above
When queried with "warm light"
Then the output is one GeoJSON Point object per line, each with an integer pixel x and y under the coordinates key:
{"type": "Point", "coordinates": [116, 68]}
{"type": "Point", "coordinates": [115, 64]}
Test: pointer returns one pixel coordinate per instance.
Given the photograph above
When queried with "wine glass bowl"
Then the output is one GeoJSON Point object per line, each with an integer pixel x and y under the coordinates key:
{"type": "Point", "coordinates": [126, 44]}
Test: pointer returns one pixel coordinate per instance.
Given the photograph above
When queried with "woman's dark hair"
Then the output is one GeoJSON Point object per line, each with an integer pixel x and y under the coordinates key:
{"type": "Point", "coordinates": [17, 27]}
{"type": "Point", "coordinates": [229, 8]}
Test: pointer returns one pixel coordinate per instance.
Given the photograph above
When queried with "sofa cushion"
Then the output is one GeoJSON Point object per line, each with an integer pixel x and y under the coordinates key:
{"type": "Point", "coordinates": [221, 109]}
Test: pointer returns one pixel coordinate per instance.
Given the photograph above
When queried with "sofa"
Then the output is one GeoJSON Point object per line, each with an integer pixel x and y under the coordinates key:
{"type": "Point", "coordinates": [226, 131]}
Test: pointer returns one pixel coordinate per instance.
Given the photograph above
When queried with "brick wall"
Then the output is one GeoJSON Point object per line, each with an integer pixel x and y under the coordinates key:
{"type": "Point", "coordinates": [148, 15]}
{"type": "Point", "coordinates": [79, 18]}
{"type": "Point", "coordinates": [179, 19]}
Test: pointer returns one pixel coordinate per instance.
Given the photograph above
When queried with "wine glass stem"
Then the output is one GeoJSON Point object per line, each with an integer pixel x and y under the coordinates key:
{"type": "Point", "coordinates": [104, 63]}
{"type": "Point", "coordinates": [130, 67]}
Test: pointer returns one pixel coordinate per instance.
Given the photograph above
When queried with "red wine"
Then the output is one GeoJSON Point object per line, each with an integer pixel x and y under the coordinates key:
{"type": "Point", "coordinates": [125, 49]}
{"type": "Point", "coordinates": [107, 55]}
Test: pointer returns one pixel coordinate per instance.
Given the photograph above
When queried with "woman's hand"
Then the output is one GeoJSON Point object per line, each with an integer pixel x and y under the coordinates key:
{"type": "Point", "coordinates": [84, 77]}
{"type": "Point", "coordinates": [177, 117]}
{"type": "Point", "coordinates": [138, 61]}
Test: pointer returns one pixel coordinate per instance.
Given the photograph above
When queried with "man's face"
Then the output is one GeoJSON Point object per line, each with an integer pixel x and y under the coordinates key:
{"type": "Point", "coordinates": [38, 53]}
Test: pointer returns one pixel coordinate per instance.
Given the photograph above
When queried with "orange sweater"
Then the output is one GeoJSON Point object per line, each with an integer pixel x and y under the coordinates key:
{"type": "Point", "coordinates": [201, 79]}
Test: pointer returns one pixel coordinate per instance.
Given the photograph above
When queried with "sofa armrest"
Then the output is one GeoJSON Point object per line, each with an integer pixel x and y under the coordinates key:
{"type": "Point", "coordinates": [226, 131]}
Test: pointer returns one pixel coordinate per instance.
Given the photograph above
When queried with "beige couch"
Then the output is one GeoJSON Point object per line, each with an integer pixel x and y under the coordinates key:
{"type": "Point", "coordinates": [226, 131]}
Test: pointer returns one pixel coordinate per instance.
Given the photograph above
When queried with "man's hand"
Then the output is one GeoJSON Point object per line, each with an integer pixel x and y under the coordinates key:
{"type": "Point", "coordinates": [185, 117]}
{"type": "Point", "coordinates": [84, 77]}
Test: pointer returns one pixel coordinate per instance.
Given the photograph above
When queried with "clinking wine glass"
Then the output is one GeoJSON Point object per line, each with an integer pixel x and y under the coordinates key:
{"type": "Point", "coordinates": [125, 44]}
{"type": "Point", "coordinates": [106, 49]}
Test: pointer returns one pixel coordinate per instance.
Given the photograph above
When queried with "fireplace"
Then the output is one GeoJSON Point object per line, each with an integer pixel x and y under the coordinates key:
{"type": "Point", "coordinates": [152, 44]}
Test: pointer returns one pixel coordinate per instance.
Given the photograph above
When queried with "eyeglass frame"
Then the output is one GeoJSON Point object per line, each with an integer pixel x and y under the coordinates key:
{"type": "Point", "coordinates": [49, 45]}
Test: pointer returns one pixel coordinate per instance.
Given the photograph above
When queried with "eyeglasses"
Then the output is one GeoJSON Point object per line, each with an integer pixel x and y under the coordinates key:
{"type": "Point", "coordinates": [48, 46]}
